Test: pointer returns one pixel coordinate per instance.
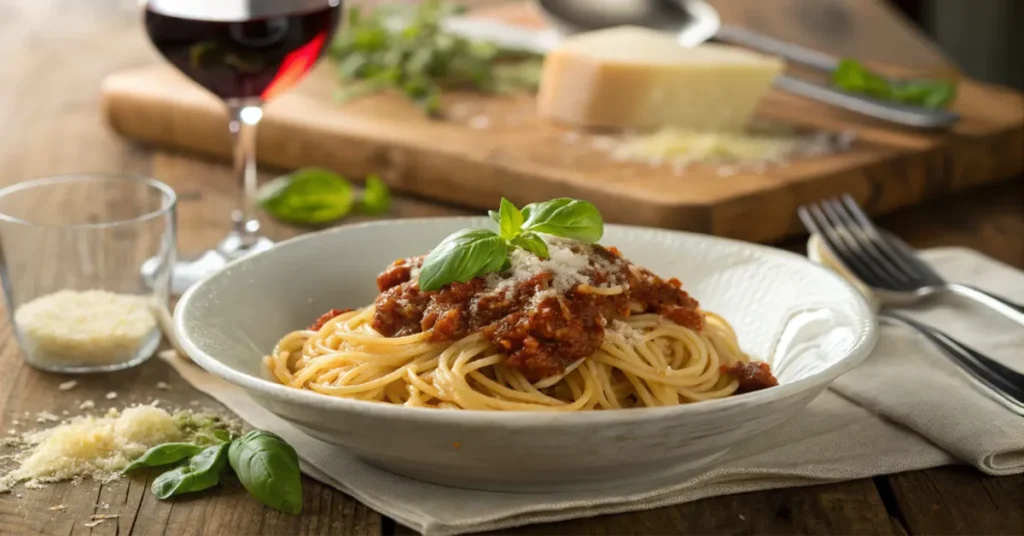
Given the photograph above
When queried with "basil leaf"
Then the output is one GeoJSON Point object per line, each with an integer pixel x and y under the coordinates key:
{"type": "Point", "coordinates": [850, 75]}
{"type": "Point", "coordinates": [494, 216]}
{"type": "Point", "coordinates": [309, 196]}
{"type": "Point", "coordinates": [510, 220]}
{"type": "Point", "coordinates": [268, 467]}
{"type": "Point", "coordinates": [565, 217]}
{"type": "Point", "coordinates": [202, 472]}
{"type": "Point", "coordinates": [462, 256]}
{"type": "Point", "coordinates": [376, 196]}
{"type": "Point", "coordinates": [162, 455]}
{"type": "Point", "coordinates": [533, 243]}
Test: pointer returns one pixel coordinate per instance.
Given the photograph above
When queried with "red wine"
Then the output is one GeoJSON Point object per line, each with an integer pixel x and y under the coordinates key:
{"type": "Point", "coordinates": [243, 49]}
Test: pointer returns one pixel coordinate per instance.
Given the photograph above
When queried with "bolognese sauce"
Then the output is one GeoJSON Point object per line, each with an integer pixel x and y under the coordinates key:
{"type": "Point", "coordinates": [544, 314]}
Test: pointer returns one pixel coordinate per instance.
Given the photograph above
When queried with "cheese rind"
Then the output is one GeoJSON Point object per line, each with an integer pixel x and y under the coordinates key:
{"type": "Point", "coordinates": [637, 78]}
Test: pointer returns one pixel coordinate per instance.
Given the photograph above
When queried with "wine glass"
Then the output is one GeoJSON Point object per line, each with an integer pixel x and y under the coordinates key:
{"type": "Point", "coordinates": [245, 52]}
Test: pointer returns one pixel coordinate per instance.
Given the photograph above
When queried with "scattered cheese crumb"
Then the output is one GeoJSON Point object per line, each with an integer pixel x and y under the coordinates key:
{"type": "Point", "coordinates": [163, 386]}
{"type": "Point", "coordinates": [46, 416]}
{"type": "Point", "coordinates": [111, 395]}
{"type": "Point", "coordinates": [68, 385]}
{"type": "Point", "coordinates": [15, 422]}
{"type": "Point", "coordinates": [12, 431]}
{"type": "Point", "coordinates": [88, 404]}
{"type": "Point", "coordinates": [58, 508]}
{"type": "Point", "coordinates": [93, 327]}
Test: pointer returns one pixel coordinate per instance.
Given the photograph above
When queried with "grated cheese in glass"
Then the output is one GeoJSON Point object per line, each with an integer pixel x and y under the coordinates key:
{"type": "Point", "coordinates": [92, 327]}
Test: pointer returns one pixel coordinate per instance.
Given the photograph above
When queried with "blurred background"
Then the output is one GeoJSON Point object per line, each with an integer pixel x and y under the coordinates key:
{"type": "Point", "coordinates": [984, 37]}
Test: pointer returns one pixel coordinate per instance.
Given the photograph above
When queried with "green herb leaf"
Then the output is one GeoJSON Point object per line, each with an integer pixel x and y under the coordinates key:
{"type": "Point", "coordinates": [565, 217]}
{"type": "Point", "coordinates": [165, 454]}
{"type": "Point", "coordinates": [202, 472]}
{"type": "Point", "coordinates": [462, 256]}
{"type": "Point", "coordinates": [494, 216]}
{"type": "Point", "coordinates": [376, 196]}
{"type": "Point", "coordinates": [309, 196]}
{"type": "Point", "coordinates": [510, 220]}
{"type": "Point", "coordinates": [268, 467]}
{"type": "Point", "coordinates": [850, 75]}
{"type": "Point", "coordinates": [533, 243]}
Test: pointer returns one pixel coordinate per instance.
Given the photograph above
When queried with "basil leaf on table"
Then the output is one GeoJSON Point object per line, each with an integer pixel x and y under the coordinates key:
{"type": "Point", "coordinates": [164, 454]}
{"type": "Point", "coordinates": [565, 217]}
{"type": "Point", "coordinates": [376, 196]}
{"type": "Point", "coordinates": [309, 196]}
{"type": "Point", "coordinates": [510, 220]}
{"type": "Point", "coordinates": [462, 256]}
{"type": "Point", "coordinates": [202, 471]}
{"type": "Point", "coordinates": [268, 467]}
{"type": "Point", "coordinates": [533, 243]}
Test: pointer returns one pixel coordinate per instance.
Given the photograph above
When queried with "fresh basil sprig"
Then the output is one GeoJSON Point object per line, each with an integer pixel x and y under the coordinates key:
{"type": "Point", "coordinates": [269, 469]}
{"type": "Point", "coordinates": [471, 253]}
{"type": "Point", "coordinates": [265, 464]}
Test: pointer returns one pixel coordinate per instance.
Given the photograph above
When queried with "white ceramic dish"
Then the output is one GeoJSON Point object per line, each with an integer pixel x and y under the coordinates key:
{"type": "Point", "coordinates": [811, 324]}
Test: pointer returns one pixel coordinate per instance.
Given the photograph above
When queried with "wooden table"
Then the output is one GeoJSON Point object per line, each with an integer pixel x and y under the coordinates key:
{"type": "Point", "coordinates": [56, 53]}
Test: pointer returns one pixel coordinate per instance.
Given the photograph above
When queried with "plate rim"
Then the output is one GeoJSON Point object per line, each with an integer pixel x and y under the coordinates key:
{"type": "Point", "coordinates": [487, 418]}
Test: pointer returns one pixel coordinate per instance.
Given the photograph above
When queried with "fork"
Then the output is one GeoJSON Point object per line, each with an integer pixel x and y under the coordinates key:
{"type": "Point", "coordinates": [884, 262]}
{"type": "Point", "coordinates": [879, 259]}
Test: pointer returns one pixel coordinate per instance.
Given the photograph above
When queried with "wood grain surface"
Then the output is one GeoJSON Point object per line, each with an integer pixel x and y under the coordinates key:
{"type": "Point", "coordinates": [522, 157]}
{"type": "Point", "coordinates": [58, 52]}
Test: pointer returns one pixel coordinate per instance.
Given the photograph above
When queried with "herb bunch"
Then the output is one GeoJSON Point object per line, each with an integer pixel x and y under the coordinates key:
{"type": "Point", "coordinates": [471, 253]}
{"type": "Point", "coordinates": [265, 464]}
{"type": "Point", "coordinates": [406, 48]}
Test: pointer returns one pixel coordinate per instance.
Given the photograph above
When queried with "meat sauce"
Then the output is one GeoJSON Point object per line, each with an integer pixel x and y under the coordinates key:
{"type": "Point", "coordinates": [751, 376]}
{"type": "Point", "coordinates": [541, 328]}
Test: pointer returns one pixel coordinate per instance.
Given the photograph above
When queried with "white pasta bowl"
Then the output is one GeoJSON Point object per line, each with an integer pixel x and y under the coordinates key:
{"type": "Point", "coordinates": [808, 322]}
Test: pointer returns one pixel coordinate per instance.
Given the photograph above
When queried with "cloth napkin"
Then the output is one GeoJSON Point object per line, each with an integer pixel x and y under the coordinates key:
{"type": "Point", "coordinates": [905, 408]}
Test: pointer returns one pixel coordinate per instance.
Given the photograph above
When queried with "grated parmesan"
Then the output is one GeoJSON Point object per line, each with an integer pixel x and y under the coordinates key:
{"type": "Point", "coordinates": [93, 327]}
{"type": "Point", "coordinates": [567, 267]}
{"type": "Point", "coordinates": [96, 446]}
{"type": "Point", "coordinates": [733, 152]}
{"type": "Point", "coordinates": [623, 333]}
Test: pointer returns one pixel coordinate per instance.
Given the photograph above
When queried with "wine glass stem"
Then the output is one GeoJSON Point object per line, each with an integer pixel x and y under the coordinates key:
{"type": "Point", "coordinates": [243, 121]}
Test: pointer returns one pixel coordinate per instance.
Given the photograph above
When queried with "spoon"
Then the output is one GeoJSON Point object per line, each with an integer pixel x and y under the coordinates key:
{"type": "Point", "coordinates": [695, 22]}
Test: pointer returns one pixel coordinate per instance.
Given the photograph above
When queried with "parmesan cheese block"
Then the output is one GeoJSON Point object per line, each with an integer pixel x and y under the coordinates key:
{"type": "Point", "coordinates": [629, 77]}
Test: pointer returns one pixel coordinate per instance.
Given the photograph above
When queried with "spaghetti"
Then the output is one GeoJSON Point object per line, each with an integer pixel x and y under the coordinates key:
{"type": "Point", "coordinates": [582, 330]}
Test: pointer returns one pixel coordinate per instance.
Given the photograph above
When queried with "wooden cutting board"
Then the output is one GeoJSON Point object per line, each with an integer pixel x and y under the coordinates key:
{"type": "Point", "coordinates": [496, 146]}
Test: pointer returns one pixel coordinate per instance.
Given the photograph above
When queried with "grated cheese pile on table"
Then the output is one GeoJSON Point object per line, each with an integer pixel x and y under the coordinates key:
{"type": "Point", "coordinates": [754, 149]}
{"type": "Point", "coordinates": [92, 446]}
{"type": "Point", "coordinates": [100, 446]}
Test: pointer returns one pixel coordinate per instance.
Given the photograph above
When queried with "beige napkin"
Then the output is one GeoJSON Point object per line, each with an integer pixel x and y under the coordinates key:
{"type": "Point", "coordinates": [932, 416]}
